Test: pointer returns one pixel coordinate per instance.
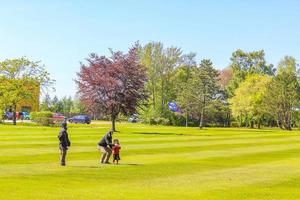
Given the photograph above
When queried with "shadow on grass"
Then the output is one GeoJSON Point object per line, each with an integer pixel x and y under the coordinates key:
{"type": "Point", "coordinates": [101, 165]}
{"type": "Point", "coordinates": [175, 134]}
{"type": "Point", "coordinates": [130, 164]}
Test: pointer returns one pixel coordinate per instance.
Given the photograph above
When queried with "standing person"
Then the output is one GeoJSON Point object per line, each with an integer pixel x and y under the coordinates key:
{"type": "Point", "coordinates": [105, 146]}
{"type": "Point", "coordinates": [64, 143]}
{"type": "Point", "coordinates": [116, 151]}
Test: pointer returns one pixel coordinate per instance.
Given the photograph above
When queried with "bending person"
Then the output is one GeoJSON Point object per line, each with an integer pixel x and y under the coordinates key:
{"type": "Point", "coordinates": [105, 147]}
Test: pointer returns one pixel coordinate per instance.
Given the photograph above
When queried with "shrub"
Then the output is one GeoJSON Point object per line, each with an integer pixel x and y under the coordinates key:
{"type": "Point", "coordinates": [235, 124]}
{"type": "Point", "coordinates": [159, 121]}
{"type": "Point", "coordinates": [42, 118]}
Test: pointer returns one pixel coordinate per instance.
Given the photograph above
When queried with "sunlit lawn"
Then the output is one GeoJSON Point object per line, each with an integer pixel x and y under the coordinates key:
{"type": "Point", "coordinates": [157, 163]}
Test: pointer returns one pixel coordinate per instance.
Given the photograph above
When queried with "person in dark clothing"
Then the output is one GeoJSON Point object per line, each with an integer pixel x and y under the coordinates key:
{"type": "Point", "coordinates": [105, 147]}
{"type": "Point", "coordinates": [64, 143]}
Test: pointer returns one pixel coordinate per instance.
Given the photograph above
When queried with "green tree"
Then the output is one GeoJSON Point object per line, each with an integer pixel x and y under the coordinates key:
{"type": "Point", "coordinates": [247, 103]}
{"type": "Point", "coordinates": [19, 78]}
{"type": "Point", "coordinates": [67, 104]}
{"type": "Point", "coordinates": [245, 63]}
{"type": "Point", "coordinates": [283, 94]}
{"type": "Point", "coordinates": [183, 88]}
{"type": "Point", "coordinates": [77, 106]}
{"type": "Point", "coordinates": [161, 64]}
{"type": "Point", "coordinates": [204, 86]}
{"type": "Point", "coordinates": [46, 104]}
{"type": "Point", "coordinates": [57, 105]}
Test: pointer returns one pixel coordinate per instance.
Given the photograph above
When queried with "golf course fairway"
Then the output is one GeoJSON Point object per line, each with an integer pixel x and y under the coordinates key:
{"type": "Point", "coordinates": [157, 162]}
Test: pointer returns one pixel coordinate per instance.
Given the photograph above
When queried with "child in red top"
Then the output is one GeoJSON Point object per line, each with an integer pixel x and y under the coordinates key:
{"type": "Point", "coordinates": [116, 151]}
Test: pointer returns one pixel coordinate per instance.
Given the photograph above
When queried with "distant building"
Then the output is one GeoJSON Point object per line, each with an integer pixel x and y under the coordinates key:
{"type": "Point", "coordinates": [32, 104]}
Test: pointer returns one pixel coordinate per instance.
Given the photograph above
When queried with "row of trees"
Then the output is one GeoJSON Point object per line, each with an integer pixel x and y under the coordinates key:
{"type": "Point", "coordinates": [249, 92]}
{"type": "Point", "coordinates": [174, 76]}
{"type": "Point", "coordinates": [65, 105]}
{"type": "Point", "coordinates": [264, 97]}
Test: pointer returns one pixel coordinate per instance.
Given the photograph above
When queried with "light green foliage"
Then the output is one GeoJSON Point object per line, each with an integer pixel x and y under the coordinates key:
{"type": "Point", "coordinates": [283, 94]}
{"type": "Point", "coordinates": [247, 102]}
{"type": "Point", "coordinates": [245, 63]}
{"type": "Point", "coordinates": [157, 163]}
{"type": "Point", "coordinates": [63, 105]}
{"type": "Point", "coordinates": [19, 77]}
{"type": "Point", "coordinates": [43, 118]}
{"type": "Point", "coordinates": [77, 107]}
{"type": "Point", "coordinates": [44, 114]}
{"type": "Point", "coordinates": [184, 88]}
{"type": "Point", "coordinates": [46, 103]}
{"type": "Point", "coordinates": [160, 63]}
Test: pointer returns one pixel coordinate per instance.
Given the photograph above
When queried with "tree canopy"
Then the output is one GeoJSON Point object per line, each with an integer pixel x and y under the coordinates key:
{"type": "Point", "coordinates": [114, 85]}
{"type": "Point", "coordinates": [19, 78]}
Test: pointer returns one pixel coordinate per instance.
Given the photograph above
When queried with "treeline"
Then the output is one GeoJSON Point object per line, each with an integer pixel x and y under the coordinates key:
{"type": "Point", "coordinates": [64, 105]}
{"type": "Point", "coordinates": [249, 92]}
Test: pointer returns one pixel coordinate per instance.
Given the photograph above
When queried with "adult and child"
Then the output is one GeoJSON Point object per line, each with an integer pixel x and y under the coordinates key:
{"type": "Point", "coordinates": [105, 146]}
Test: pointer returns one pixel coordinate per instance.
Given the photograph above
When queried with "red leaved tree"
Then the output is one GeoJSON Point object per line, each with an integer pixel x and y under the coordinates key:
{"type": "Point", "coordinates": [114, 85]}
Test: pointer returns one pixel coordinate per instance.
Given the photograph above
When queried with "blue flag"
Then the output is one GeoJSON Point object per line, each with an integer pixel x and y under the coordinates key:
{"type": "Point", "coordinates": [173, 107]}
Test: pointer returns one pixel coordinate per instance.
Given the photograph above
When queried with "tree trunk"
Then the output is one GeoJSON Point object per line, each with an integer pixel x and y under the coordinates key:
{"type": "Point", "coordinates": [240, 121]}
{"type": "Point", "coordinates": [162, 99]}
{"type": "Point", "coordinates": [186, 119]}
{"type": "Point", "coordinates": [153, 97]}
{"type": "Point", "coordinates": [228, 119]}
{"type": "Point", "coordinates": [288, 122]}
{"type": "Point", "coordinates": [14, 115]}
{"type": "Point", "coordinates": [251, 124]}
{"type": "Point", "coordinates": [258, 123]}
{"type": "Point", "coordinates": [246, 122]}
{"type": "Point", "coordinates": [113, 122]}
{"type": "Point", "coordinates": [279, 124]}
{"type": "Point", "coordinates": [201, 118]}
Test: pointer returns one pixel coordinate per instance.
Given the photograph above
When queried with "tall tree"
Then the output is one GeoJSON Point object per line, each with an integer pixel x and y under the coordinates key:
{"type": "Point", "coordinates": [183, 87]}
{"type": "Point", "coordinates": [77, 106]}
{"type": "Point", "coordinates": [245, 63]}
{"type": "Point", "coordinates": [115, 84]}
{"type": "Point", "coordinates": [160, 63]}
{"type": "Point", "coordinates": [151, 56]}
{"type": "Point", "coordinates": [283, 94]}
{"type": "Point", "coordinates": [247, 103]}
{"type": "Point", "coordinates": [46, 104]}
{"type": "Point", "coordinates": [205, 86]}
{"type": "Point", "coordinates": [67, 104]}
{"type": "Point", "coordinates": [57, 105]}
{"type": "Point", "coordinates": [19, 78]}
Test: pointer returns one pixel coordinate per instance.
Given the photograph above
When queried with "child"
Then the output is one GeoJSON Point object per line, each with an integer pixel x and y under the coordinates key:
{"type": "Point", "coordinates": [116, 150]}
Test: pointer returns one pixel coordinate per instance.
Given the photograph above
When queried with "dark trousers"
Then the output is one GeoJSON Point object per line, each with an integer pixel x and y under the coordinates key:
{"type": "Point", "coordinates": [63, 154]}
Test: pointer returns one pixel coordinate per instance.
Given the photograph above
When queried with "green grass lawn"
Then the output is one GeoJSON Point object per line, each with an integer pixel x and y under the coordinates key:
{"type": "Point", "coordinates": [157, 163]}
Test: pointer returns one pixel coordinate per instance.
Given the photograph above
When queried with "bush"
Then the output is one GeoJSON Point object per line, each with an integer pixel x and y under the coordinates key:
{"type": "Point", "coordinates": [45, 119]}
{"type": "Point", "coordinates": [159, 121]}
{"type": "Point", "coordinates": [235, 124]}
{"type": "Point", "coordinates": [44, 114]}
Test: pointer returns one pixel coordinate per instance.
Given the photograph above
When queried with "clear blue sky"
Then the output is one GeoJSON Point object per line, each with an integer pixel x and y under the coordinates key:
{"type": "Point", "coordinates": [63, 33]}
